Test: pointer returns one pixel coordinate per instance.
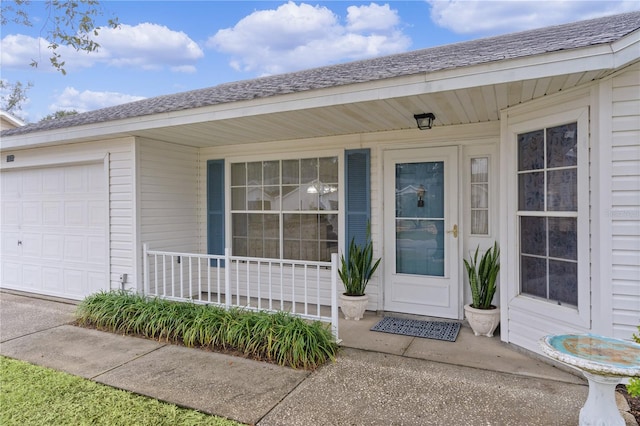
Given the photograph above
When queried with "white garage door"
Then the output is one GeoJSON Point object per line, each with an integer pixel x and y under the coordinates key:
{"type": "Point", "coordinates": [54, 230]}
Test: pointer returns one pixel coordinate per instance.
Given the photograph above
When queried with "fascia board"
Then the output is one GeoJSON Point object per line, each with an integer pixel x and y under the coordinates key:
{"type": "Point", "coordinates": [534, 67]}
{"type": "Point", "coordinates": [626, 50]}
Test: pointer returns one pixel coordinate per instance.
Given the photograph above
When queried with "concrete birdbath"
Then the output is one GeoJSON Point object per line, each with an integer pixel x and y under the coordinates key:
{"type": "Point", "coordinates": [604, 361]}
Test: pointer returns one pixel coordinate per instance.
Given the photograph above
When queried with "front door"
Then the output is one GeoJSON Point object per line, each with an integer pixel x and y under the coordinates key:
{"type": "Point", "coordinates": [421, 232]}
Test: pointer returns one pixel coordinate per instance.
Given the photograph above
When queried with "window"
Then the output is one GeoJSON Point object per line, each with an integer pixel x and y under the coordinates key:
{"type": "Point", "coordinates": [285, 208]}
{"type": "Point", "coordinates": [480, 196]}
{"type": "Point", "coordinates": [547, 161]}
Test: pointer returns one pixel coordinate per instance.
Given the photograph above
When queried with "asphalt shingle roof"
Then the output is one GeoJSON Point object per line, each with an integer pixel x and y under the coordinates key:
{"type": "Point", "coordinates": [504, 47]}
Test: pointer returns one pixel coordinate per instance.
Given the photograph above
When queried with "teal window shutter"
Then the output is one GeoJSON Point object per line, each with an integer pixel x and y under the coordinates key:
{"type": "Point", "coordinates": [357, 194]}
{"type": "Point", "coordinates": [215, 207]}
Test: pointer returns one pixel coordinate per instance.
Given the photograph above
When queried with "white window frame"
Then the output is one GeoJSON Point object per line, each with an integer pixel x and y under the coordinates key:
{"type": "Point", "coordinates": [579, 316]}
{"type": "Point", "coordinates": [290, 155]}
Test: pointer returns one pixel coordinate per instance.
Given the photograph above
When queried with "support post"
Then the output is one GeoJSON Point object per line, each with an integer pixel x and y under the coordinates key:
{"type": "Point", "coordinates": [145, 269]}
{"type": "Point", "coordinates": [227, 278]}
{"type": "Point", "coordinates": [334, 295]}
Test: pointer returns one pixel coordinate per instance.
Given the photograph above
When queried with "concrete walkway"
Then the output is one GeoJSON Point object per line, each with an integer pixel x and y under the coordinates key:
{"type": "Point", "coordinates": [378, 379]}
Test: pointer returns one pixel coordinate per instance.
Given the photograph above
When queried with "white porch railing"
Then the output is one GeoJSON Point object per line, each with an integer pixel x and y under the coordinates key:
{"type": "Point", "coordinates": [303, 288]}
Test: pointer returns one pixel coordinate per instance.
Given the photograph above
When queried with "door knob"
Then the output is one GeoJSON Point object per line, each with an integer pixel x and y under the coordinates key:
{"type": "Point", "coordinates": [454, 231]}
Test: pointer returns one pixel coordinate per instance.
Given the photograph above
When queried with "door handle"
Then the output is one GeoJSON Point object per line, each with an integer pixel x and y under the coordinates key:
{"type": "Point", "coordinates": [454, 231]}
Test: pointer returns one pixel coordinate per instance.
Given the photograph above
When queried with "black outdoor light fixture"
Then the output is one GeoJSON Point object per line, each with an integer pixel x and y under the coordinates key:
{"type": "Point", "coordinates": [424, 121]}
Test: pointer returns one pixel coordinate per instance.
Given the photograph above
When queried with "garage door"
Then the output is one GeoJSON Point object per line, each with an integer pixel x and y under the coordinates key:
{"type": "Point", "coordinates": [54, 230]}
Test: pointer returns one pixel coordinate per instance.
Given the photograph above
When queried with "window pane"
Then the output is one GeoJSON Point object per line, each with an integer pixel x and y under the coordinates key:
{"type": "Point", "coordinates": [309, 197]}
{"type": "Point", "coordinates": [479, 222]}
{"type": "Point", "coordinates": [479, 195]}
{"type": "Point", "coordinates": [562, 145]}
{"type": "Point", "coordinates": [309, 170]}
{"type": "Point", "coordinates": [291, 249]}
{"type": "Point", "coordinates": [329, 198]}
{"type": "Point", "coordinates": [272, 248]}
{"type": "Point", "coordinates": [291, 223]}
{"type": "Point", "coordinates": [239, 198]}
{"type": "Point", "coordinates": [420, 190]}
{"type": "Point", "coordinates": [531, 150]}
{"type": "Point", "coordinates": [238, 174]}
{"type": "Point", "coordinates": [239, 247]}
{"type": "Point", "coordinates": [328, 236]}
{"type": "Point", "coordinates": [531, 191]}
{"type": "Point", "coordinates": [329, 170]}
{"type": "Point", "coordinates": [533, 235]}
{"type": "Point", "coordinates": [562, 190]}
{"type": "Point", "coordinates": [291, 172]}
{"type": "Point", "coordinates": [272, 226]}
{"type": "Point", "coordinates": [271, 197]}
{"type": "Point", "coordinates": [255, 224]}
{"type": "Point", "coordinates": [309, 226]}
{"type": "Point", "coordinates": [254, 173]}
{"type": "Point", "coordinates": [271, 172]}
{"type": "Point", "coordinates": [563, 282]}
{"type": "Point", "coordinates": [480, 169]}
{"type": "Point", "coordinates": [533, 276]}
{"type": "Point", "coordinates": [309, 250]}
{"type": "Point", "coordinates": [563, 237]}
{"type": "Point", "coordinates": [290, 198]}
{"type": "Point", "coordinates": [254, 198]}
{"type": "Point", "coordinates": [239, 224]}
{"type": "Point", "coordinates": [420, 247]}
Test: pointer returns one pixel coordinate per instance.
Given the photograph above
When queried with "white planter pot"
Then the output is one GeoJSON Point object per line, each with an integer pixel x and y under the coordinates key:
{"type": "Point", "coordinates": [483, 322]}
{"type": "Point", "coordinates": [353, 307]}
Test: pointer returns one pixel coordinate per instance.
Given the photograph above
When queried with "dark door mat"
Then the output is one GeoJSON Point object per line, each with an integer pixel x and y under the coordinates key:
{"type": "Point", "coordinates": [439, 330]}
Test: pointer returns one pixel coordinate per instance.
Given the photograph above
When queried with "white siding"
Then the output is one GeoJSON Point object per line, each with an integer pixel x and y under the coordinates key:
{"type": "Point", "coordinates": [119, 156]}
{"type": "Point", "coordinates": [625, 202]}
{"type": "Point", "coordinates": [168, 195]}
{"type": "Point", "coordinates": [168, 198]}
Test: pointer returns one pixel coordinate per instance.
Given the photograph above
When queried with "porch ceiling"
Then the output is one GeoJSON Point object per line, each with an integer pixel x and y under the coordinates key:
{"type": "Point", "coordinates": [462, 106]}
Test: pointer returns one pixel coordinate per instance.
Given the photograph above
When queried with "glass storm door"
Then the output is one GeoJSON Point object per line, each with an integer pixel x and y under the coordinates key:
{"type": "Point", "coordinates": [421, 232]}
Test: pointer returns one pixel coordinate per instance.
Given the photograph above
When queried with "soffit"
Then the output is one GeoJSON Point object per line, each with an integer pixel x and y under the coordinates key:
{"type": "Point", "coordinates": [453, 107]}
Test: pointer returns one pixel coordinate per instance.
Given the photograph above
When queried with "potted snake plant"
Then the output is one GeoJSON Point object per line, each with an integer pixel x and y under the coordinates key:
{"type": "Point", "coordinates": [355, 271]}
{"type": "Point", "coordinates": [483, 317]}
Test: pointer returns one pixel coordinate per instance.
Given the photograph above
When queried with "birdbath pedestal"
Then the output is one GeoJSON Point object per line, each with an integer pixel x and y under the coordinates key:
{"type": "Point", "coordinates": [604, 361]}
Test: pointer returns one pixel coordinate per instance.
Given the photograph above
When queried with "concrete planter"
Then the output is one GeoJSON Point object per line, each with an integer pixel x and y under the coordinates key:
{"type": "Point", "coordinates": [483, 322]}
{"type": "Point", "coordinates": [353, 307]}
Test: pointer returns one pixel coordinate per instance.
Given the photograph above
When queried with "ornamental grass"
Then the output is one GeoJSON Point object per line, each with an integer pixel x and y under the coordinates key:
{"type": "Point", "coordinates": [279, 338]}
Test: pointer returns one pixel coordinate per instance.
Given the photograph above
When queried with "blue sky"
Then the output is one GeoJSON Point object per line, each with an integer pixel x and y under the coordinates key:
{"type": "Point", "coordinates": [165, 47]}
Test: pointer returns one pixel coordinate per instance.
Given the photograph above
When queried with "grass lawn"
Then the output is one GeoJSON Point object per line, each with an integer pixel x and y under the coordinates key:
{"type": "Point", "coordinates": [32, 395]}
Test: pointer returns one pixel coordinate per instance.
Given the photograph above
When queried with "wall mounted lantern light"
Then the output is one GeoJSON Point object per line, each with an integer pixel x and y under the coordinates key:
{"type": "Point", "coordinates": [424, 121]}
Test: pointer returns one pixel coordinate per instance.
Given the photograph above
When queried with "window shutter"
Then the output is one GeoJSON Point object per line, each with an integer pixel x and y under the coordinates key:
{"type": "Point", "coordinates": [357, 194]}
{"type": "Point", "coordinates": [215, 207]}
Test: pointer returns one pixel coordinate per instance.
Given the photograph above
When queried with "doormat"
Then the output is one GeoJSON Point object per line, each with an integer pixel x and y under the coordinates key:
{"type": "Point", "coordinates": [439, 330]}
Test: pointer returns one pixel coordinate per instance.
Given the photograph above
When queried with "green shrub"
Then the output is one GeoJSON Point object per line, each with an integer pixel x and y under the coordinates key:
{"type": "Point", "coordinates": [275, 337]}
{"type": "Point", "coordinates": [358, 267]}
{"type": "Point", "coordinates": [634, 384]}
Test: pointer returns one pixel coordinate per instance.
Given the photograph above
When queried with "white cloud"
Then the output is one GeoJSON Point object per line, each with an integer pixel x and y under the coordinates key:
{"type": "Point", "coordinates": [371, 18]}
{"type": "Point", "coordinates": [19, 51]}
{"type": "Point", "coordinates": [73, 99]}
{"type": "Point", "coordinates": [301, 36]}
{"type": "Point", "coordinates": [494, 17]}
{"type": "Point", "coordinates": [146, 46]}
